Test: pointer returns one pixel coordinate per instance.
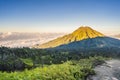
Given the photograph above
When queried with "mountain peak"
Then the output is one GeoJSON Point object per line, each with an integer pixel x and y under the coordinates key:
{"type": "Point", "coordinates": [81, 27]}
{"type": "Point", "coordinates": [83, 32]}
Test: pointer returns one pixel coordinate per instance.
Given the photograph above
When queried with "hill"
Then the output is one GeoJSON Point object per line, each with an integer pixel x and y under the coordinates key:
{"type": "Point", "coordinates": [81, 33]}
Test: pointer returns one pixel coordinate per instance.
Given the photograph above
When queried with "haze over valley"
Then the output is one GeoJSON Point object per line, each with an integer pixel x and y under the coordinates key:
{"type": "Point", "coordinates": [22, 39]}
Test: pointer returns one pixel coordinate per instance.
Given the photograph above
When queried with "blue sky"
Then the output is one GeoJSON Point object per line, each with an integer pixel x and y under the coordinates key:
{"type": "Point", "coordinates": [59, 15]}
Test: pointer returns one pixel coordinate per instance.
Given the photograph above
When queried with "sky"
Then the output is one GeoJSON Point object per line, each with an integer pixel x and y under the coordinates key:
{"type": "Point", "coordinates": [59, 15]}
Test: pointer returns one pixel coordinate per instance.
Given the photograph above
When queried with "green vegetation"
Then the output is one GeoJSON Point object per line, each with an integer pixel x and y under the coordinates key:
{"type": "Point", "coordinates": [70, 70]}
{"type": "Point", "coordinates": [28, 61]}
{"type": "Point", "coordinates": [49, 64]}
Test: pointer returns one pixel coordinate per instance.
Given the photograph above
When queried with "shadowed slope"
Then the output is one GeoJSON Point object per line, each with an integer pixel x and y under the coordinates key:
{"type": "Point", "coordinates": [92, 43]}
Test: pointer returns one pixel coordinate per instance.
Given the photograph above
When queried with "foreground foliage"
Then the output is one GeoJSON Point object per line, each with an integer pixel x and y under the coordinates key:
{"type": "Point", "coordinates": [70, 70]}
{"type": "Point", "coordinates": [49, 64]}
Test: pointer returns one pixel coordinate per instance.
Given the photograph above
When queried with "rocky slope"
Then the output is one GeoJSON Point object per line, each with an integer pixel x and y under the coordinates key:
{"type": "Point", "coordinates": [108, 71]}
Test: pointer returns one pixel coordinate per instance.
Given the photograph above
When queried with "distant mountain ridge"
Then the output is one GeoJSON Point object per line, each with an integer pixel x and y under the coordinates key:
{"type": "Point", "coordinates": [82, 33]}
{"type": "Point", "coordinates": [118, 36]}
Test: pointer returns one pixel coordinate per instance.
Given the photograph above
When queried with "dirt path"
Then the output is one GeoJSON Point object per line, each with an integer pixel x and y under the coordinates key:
{"type": "Point", "coordinates": [108, 71]}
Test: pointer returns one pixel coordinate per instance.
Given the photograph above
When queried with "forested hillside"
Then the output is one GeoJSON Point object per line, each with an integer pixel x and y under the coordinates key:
{"type": "Point", "coordinates": [12, 59]}
{"type": "Point", "coordinates": [51, 64]}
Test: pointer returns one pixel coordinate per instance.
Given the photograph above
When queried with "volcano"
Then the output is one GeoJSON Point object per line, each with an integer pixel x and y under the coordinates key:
{"type": "Point", "coordinates": [82, 33]}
